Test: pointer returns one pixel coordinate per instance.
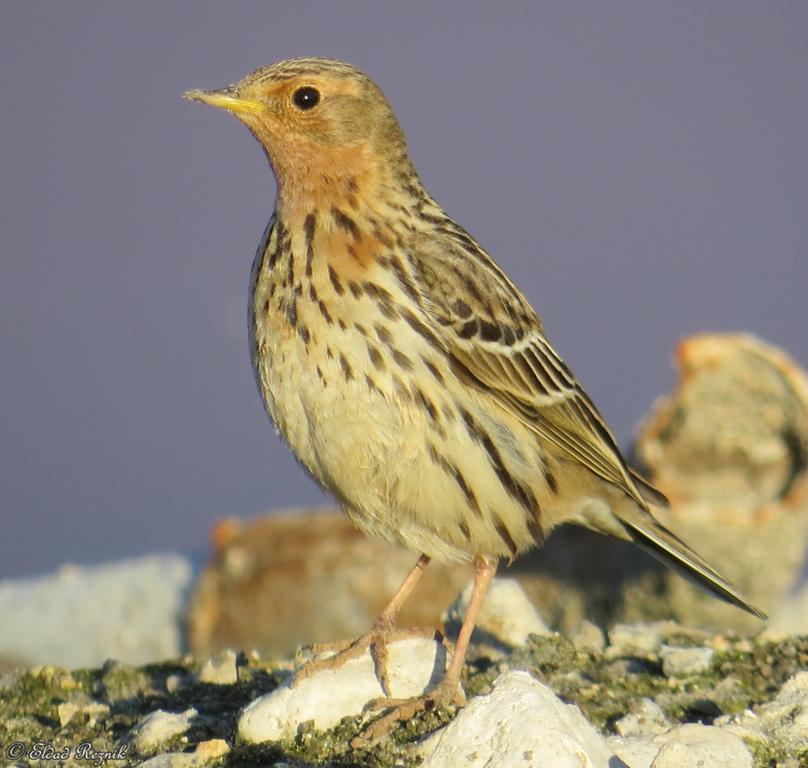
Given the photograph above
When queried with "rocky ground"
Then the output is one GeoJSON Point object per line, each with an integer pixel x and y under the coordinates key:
{"type": "Point", "coordinates": [637, 688]}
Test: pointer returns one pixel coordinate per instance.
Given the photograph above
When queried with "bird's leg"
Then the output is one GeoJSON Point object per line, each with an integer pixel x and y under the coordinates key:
{"type": "Point", "coordinates": [383, 630]}
{"type": "Point", "coordinates": [447, 691]}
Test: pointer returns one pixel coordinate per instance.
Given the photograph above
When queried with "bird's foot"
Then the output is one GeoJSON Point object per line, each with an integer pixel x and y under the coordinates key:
{"type": "Point", "coordinates": [331, 656]}
{"type": "Point", "coordinates": [447, 693]}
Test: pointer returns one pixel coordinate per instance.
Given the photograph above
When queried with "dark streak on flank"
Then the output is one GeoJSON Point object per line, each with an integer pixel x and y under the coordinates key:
{"type": "Point", "coordinates": [376, 358]}
{"type": "Point", "coordinates": [324, 312]}
{"type": "Point", "coordinates": [464, 528]}
{"type": "Point", "coordinates": [266, 306]}
{"type": "Point", "coordinates": [427, 403]}
{"type": "Point", "coordinates": [385, 337]}
{"type": "Point", "coordinates": [346, 367]}
{"type": "Point", "coordinates": [432, 368]}
{"type": "Point", "coordinates": [505, 534]}
{"type": "Point", "coordinates": [335, 281]}
{"type": "Point", "coordinates": [372, 385]}
{"type": "Point", "coordinates": [344, 221]}
{"type": "Point", "coordinates": [550, 479]}
{"type": "Point", "coordinates": [290, 269]}
{"type": "Point", "coordinates": [401, 359]}
{"type": "Point", "coordinates": [309, 226]}
{"type": "Point", "coordinates": [457, 476]}
{"type": "Point", "coordinates": [535, 530]}
{"type": "Point", "coordinates": [383, 298]}
{"type": "Point", "coordinates": [291, 313]}
{"type": "Point", "coordinates": [515, 489]}
{"type": "Point", "coordinates": [355, 288]}
{"type": "Point", "coordinates": [342, 324]}
{"type": "Point", "coordinates": [304, 334]}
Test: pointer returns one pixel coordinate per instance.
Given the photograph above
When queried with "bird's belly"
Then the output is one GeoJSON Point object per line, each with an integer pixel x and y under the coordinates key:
{"type": "Point", "coordinates": [396, 450]}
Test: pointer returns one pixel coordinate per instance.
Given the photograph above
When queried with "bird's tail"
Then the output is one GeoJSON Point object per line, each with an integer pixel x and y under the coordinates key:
{"type": "Point", "coordinates": [649, 534]}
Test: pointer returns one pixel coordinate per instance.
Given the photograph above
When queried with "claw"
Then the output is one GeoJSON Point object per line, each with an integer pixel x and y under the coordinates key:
{"type": "Point", "coordinates": [447, 693]}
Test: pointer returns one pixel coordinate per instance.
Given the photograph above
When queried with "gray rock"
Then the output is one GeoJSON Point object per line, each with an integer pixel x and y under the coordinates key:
{"type": "Point", "coordinates": [80, 616]}
{"type": "Point", "coordinates": [678, 661]}
{"type": "Point", "coordinates": [81, 705]}
{"type": "Point", "coordinates": [520, 723]}
{"type": "Point", "coordinates": [696, 746]}
{"type": "Point", "coordinates": [158, 728]}
{"type": "Point", "coordinates": [686, 746]}
{"type": "Point", "coordinates": [642, 640]}
{"type": "Point", "coordinates": [646, 717]}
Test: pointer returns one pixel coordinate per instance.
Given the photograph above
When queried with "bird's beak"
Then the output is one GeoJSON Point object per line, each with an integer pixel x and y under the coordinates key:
{"type": "Point", "coordinates": [225, 99]}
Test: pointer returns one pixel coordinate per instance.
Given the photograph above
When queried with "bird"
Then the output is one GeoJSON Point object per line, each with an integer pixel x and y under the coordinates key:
{"type": "Point", "coordinates": [404, 369]}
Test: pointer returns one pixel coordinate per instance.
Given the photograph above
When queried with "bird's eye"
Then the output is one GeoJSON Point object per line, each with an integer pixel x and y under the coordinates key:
{"type": "Point", "coordinates": [306, 97]}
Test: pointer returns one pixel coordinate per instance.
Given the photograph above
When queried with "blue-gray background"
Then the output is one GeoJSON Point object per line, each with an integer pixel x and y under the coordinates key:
{"type": "Point", "coordinates": [640, 169]}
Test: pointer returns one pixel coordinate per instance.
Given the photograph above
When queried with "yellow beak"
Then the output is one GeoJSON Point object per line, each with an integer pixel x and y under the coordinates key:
{"type": "Point", "coordinates": [228, 100]}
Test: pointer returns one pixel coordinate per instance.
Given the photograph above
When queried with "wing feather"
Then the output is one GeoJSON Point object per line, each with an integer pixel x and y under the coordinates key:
{"type": "Point", "coordinates": [500, 346]}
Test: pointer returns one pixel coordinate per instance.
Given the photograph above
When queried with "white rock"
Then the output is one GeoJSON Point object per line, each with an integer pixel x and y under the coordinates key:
{"type": "Point", "coordinates": [220, 669]}
{"type": "Point", "coordinates": [640, 640]}
{"type": "Point", "coordinates": [786, 718]}
{"type": "Point", "coordinates": [506, 616]}
{"type": "Point", "coordinates": [645, 717]}
{"type": "Point", "coordinates": [634, 751]}
{"type": "Point", "coordinates": [678, 661]}
{"type": "Point", "coordinates": [520, 723]}
{"type": "Point", "coordinates": [413, 665]}
{"type": "Point", "coordinates": [159, 727]}
{"type": "Point", "coordinates": [80, 616]}
{"type": "Point", "coordinates": [81, 704]}
{"type": "Point", "coordinates": [697, 746]}
{"type": "Point", "coordinates": [686, 746]}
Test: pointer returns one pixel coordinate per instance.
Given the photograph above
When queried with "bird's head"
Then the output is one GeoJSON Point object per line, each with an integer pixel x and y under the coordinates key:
{"type": "Point", "coordinates": [319, 120]}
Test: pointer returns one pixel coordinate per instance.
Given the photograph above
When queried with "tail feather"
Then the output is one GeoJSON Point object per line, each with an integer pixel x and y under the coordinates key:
{"type": "Point", "coordinates": [649, 534]}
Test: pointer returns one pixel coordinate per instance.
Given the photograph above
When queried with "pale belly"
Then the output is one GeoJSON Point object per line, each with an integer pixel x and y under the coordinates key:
{"type": "Point", "coordinates": [410, 477]}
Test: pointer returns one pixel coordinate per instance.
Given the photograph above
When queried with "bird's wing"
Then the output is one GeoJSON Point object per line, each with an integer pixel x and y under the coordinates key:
{"type": "Point", "coordinates": [497, 343]}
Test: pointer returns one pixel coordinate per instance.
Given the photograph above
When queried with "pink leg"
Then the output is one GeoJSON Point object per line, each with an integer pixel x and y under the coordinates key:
{"type": "Point", "coordinates": [447, 691]}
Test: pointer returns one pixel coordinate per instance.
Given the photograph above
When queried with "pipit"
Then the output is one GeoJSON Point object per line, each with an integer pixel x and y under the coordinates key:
{"type": "Point", "coordinates": [406, 372]}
